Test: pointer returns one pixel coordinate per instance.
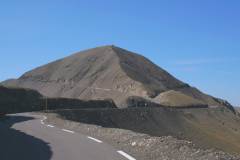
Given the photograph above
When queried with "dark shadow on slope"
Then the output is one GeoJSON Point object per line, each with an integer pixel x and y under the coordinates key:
{"type": "Point", "coordinates": [208, 128]}
{"type": "Point", "coordinates": [140, 69]}
{"type": "Point", "coordinates": [15, 144]}
{"type": "Point", "coordinates": [139, 120]}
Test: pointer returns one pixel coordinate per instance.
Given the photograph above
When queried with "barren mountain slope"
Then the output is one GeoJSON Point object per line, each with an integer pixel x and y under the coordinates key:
{"type": "Point", "coordinates": [238, 109]}
{"type": "Point", "coordinates": [177, 99]}
{"type": "Point", "coordinates": [206, 127]}
{"type": "Point", "coordinates": [103, 73]}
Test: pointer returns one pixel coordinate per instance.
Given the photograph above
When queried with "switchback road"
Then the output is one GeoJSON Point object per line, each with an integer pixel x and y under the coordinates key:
{"type": "Point", "coordinates": [28, 137]}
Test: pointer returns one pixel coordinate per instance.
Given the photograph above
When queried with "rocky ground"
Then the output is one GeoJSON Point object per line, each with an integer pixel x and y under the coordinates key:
{"type": "Point", "coordinates": [110, 72]}
{"type": "Point", "coordinates": [238, 109]}
{"type": "Point", "coordinates": [142, 146]}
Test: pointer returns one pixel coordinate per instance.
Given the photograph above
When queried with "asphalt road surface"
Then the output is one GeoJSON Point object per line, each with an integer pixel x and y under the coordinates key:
{"type": "Point", "coordinates": [28, 137]}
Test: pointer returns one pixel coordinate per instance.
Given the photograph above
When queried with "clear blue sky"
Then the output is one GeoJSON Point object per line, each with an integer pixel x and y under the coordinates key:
{"type": "Point", "coordinates": [196, 41]}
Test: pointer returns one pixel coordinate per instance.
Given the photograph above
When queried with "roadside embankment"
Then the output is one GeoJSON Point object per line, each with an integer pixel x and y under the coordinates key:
{"type": "Point", "coordinates": [207, 128]}
{"type": "Point", "coordinates": [16, 100]}
{"type": "Point", "coordinates": [118, 129]}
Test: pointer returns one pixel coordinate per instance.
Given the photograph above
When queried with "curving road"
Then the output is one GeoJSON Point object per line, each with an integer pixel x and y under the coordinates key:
{"type": "Point", "coordinates": [26, 136]}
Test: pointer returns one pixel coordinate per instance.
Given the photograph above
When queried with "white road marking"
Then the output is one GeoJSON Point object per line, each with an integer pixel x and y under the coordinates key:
{"type": "Point", "coordinates": [44, 118]}
{"type": "Point", "coordinates": [67, 130]}
{"type": "Point", "coordinates": [126, 155]}
{"type": "Point", "coordinates": [94, 139]}
{"type": "Point", "coordinates": [50, 126]}
{"type": "Point", "coordinates": [105, 89]}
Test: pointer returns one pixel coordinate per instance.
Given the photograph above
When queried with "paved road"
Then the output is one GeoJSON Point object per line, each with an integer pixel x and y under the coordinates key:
{"type": "Point", "coordinates": [27, 137]}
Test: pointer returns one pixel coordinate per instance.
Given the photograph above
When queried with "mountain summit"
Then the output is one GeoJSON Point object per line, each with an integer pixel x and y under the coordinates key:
{"type": "Point", "coordinates": [110, 72]}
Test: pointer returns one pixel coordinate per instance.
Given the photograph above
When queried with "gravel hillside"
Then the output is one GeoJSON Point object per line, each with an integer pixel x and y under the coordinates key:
{"type": "Point", "coordinates": [109, 72]}
{"type": "Point", "coordinates": [143, 146]}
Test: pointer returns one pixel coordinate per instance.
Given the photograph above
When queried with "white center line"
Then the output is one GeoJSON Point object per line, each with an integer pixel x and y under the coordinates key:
{"type": "Point", "coordinates": [94, 139]}
{"type": "Point", "coordinates": [67, 130]}
{"type": "Point", "coordinates": [50, 126]}
{"type": "Point", "coordinates": [44, 118]}
{"type": "Point", "coordinates": [105, 89]}
{"type": "Point", "coordinates": [126, 155]}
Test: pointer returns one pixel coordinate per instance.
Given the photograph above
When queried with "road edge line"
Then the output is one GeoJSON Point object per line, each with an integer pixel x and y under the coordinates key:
{"type": "Point", "coordinates": [66, 130]}
{"type": "Point", "coordinates": [126, 155]}
{"type": "Point", "coordinates": [94, 139]}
